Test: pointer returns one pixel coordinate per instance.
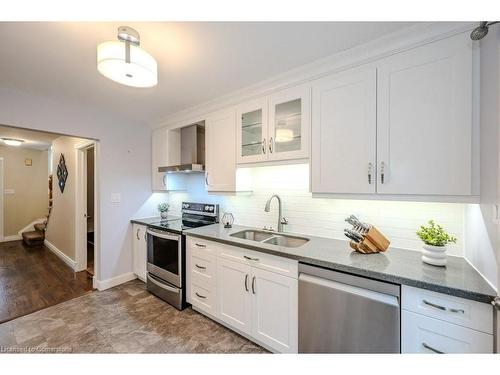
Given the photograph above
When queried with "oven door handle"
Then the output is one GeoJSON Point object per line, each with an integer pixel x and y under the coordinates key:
{"type": "Point", "coordinates": [164, 235]}
{"type": "Point", "coordinates": [163, 286]}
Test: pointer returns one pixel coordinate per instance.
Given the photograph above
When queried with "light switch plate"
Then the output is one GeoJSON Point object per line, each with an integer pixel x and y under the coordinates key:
{"type": "Point", "coordinates": [9, 191]}
{"type": "Point", "coordinates": [116, 197]}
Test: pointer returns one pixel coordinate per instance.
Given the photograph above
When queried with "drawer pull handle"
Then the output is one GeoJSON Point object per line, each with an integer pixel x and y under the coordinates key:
{"type": "Point", "coordinates": [199, 295]}
{"type": "Point", "coordinates": [439, 307]}
{"type": "Point", "coordinates": [200, 245]}
{"type": "Point", "coordinates": [253, 285]}
{"type": "Point", "coordinates": [246, 282]}
{"type": "Point", "coordinates": [431, 348]}
{"type": "Point", "coordinates": [250, 258]}
{"type": "Point", "coordinates": [456, 311]}
{"type": "Point", "coordinates": [200, 267]}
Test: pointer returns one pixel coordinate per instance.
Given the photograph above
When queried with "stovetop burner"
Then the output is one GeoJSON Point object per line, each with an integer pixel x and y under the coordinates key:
{"type": "Point", "coordinates": [194, 215]}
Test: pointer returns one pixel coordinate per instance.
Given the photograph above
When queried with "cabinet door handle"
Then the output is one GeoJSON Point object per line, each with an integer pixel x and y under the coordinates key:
{"type": "Point", "coordinates": [250, 258]}
{"type": "Point", "coordinates": [137, 234]}
{"type": "Point", "coordinates": [457, 311]}
{"type": "Point", "coordinates": [199, 295]}
{"type": "Point", "coordinates": [206, 179]}
{"type": "Point", "coordinates": [439, 307]}
{"type": "Point", "coordinates": [246, 282]}
{"type": "Point", "coordinates": [200, 245]}
{"type": "Point", "coordinates": [271, 145]}
{"type": "Point", "coordinates": [431, 348]}
{"type": "Point", "coordinates": [253, 285]}
{"type": "Point", "coordinates": [264, 146]}
{"type": "Point", "coordinates": [145, 236]}
{"type": "Point", "coordinates": [163, 180]}
{"type": "Point", "coordinates": [370, 167]}
{"type": "Point", "coordinates": [382, 172]}
{"type": "Point", "coordinates": [200, 267]}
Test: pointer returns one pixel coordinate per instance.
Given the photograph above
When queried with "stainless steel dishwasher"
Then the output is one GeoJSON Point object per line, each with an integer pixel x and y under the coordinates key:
{"type": "Point", "coordinates": [342, 313]}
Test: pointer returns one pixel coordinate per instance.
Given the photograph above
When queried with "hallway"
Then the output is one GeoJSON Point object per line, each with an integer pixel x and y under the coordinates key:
{"type": "Point", "coordinates": [34, 278]}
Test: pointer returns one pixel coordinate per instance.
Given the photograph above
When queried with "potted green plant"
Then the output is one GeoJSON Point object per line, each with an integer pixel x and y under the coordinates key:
{"type": "Point", "coordinates": [163, 208]}
{"type": "Point", "coordinates": [435, 239]}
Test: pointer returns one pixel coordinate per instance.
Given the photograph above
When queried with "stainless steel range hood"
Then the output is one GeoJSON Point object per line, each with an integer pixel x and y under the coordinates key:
{"type": "Point", "coordinates": [192, 151]}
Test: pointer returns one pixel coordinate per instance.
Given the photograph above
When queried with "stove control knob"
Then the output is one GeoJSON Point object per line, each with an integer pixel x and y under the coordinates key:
{"type": "Point", "coordinates": [211, 208]}
{"type": "Point", "coordinates": [207, 208]}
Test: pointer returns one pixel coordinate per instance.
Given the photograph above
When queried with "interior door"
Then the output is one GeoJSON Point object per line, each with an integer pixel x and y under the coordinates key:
{"type": "Point", "coordinates": [344, 132]}
{"type": "Point", "coordinates": [289, 124]}
{"type": "Point", "coordinates": [251, 131]}
{"type": "Point", "coordinates": [233, 293]}
{"type": "Point", "coordinates": [220, 163]}
{"type": "Point", "coordinates": [275, 310]}
{"type": "Point", "coordinates": [425, 120]}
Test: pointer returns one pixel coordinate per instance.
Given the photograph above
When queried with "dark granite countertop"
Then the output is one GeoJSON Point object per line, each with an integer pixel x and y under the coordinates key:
{"type": "Point", "coordinates": [396, 265]}
{"type": "Point", "coordinates": [153, 219]}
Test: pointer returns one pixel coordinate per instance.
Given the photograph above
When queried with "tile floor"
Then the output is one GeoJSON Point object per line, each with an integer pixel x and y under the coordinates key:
{"type": "Point", "coordinates": [124, 319]}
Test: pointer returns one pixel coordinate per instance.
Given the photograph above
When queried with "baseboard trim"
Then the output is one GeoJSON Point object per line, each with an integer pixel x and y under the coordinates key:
{"type": "Point", "coordinates": [66, 259]}
{"type": "Point", "coordinates": [15, 237]}
{"type": "Point", "coordinates": [114, 281]}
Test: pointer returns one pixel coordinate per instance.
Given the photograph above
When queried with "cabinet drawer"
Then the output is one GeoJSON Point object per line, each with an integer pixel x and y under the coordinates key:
{"type": "Point", "coordinates": [276, 264]}
{"type": "Point", "coordinates": [203, 297]}
{"type": "Point", "coordinates": [202, 267]}
{"type": "Point", "coordinates": [203, 246]}
{"type": "Point", "coordinates": [421, 334]}
{"type": "Point", "coordinates": [467, 313]}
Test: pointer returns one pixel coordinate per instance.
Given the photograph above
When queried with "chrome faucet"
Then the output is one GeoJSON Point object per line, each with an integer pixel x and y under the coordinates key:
{"type": "Point", "coordinates": [281, 220]}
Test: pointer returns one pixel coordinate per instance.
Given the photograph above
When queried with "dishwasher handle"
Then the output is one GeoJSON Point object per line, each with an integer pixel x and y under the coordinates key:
{"type": "Point", "coordinates": [351, 289]}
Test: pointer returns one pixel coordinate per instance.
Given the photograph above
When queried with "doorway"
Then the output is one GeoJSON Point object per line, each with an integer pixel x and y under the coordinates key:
{"type": "Point", "coordinates": [86, 218]}
{"type": "Point", "coordinates": [90, 209]}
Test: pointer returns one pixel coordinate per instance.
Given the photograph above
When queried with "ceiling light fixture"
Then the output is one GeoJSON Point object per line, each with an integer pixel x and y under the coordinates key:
{"type": "Point", "coordinates": [12, 141]}
{"type": "Point", "coordinates": [123, 61]}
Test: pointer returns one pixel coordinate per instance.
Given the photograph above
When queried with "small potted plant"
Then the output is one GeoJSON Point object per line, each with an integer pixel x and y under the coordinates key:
{"type": "Point", "coordinates": [163, 208]}
{"type": "Point", "coordinates": [435, 240]}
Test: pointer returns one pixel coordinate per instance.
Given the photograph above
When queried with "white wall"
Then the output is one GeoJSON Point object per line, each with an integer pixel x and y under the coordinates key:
{"type": "Point", "coordinates": [323, 216]}
{"type": "Point", "coordinates": [124, 165]}
{"type": "Point", "coordinates": [482, 242]}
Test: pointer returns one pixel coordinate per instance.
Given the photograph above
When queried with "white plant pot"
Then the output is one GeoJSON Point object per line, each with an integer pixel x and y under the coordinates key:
{"type": "Point", "coordinates": [435, 255]}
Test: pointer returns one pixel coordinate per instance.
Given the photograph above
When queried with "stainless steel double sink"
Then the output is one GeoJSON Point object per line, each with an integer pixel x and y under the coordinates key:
{"type": "Point", "coordinates": [270, 238]}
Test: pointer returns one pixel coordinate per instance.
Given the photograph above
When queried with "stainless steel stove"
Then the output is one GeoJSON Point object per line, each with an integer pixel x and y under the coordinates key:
{"type": "Point", "coordinates": [166, 264]}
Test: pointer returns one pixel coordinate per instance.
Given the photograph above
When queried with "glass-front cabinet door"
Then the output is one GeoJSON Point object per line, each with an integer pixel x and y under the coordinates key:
{"type": "Point", "coordinates": [252, 131]}
{"type": "Point", "coordinates": [289, 124]}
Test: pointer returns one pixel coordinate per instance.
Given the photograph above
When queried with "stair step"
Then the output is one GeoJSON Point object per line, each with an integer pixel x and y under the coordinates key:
{"type": "Point", "coordinates": [33, 238]}
{"type": "Point", "coordinates": [40, 226]}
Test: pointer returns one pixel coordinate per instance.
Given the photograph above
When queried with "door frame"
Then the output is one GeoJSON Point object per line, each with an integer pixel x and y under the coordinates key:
{"type": "Point", "coordinates": [2, 198]}
{"type": "Point", "coordinates": [81, 208]}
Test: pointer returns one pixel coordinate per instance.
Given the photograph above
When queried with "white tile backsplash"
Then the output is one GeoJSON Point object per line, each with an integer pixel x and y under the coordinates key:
{"type": "Point", "coordinates": [323, 216]}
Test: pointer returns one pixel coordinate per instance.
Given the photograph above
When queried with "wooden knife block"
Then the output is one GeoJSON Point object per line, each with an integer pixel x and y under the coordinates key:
{"type": "Point", "coordinates": [374, 242]}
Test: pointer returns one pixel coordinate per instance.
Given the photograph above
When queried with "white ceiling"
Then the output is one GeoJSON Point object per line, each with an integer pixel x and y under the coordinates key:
{"type": "Point", "coordinates": [196, 61]}
{"type": "Point", "coordinates": [32, 138]}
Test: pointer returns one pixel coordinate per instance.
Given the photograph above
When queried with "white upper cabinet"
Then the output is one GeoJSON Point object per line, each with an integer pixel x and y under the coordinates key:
{"type": "Point", "coordinates": [399, 126]}
{"type": "Point", "coordinates": [424, 124]}
{"type": "Point", "coordinates": [289, 119]}
{"type": "Point", "coordinates": [275, 127]}
{"type": "Point", "coordinates": [344, 132]}
{"type": "Point", "coordinates": [220, 154]}
{"type": "Point", "coordinates": [159, 158]}
{"type": "Point", "coordinates": [251, 130]}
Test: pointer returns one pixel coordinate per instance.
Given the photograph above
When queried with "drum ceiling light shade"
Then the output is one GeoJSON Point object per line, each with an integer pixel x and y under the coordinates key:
{"type": "Point", "coordinates": [123, 61]}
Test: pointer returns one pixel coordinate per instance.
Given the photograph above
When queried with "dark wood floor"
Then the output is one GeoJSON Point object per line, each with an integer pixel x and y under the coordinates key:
{"type": "Point", "coordinates": [33, 278]}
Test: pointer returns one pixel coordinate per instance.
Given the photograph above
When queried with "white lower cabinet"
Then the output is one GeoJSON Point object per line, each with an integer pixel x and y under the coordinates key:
{"type": "Point", "coordinates": [140, 250]}
{"type": "Point", "coordinates": [438, 323]}
{"type": "Point", "coordinates": [234, 301]}
{"type": "Point", "coordinates": [422, 334]}
{"type": "Point", "coordinates": [250, 294]}
{"type": "Point", "coordinates": [274, 310]}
